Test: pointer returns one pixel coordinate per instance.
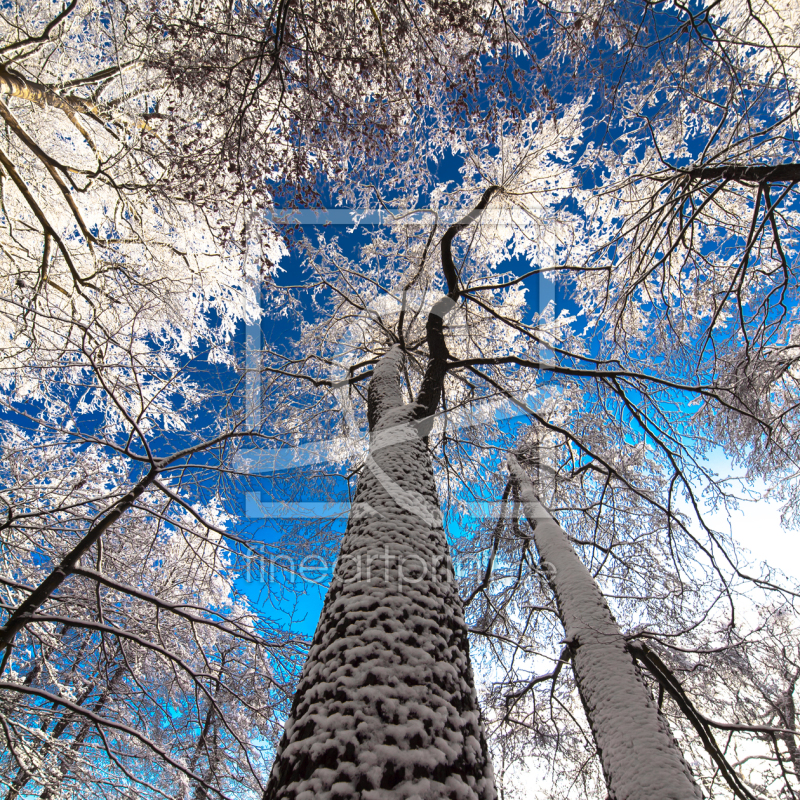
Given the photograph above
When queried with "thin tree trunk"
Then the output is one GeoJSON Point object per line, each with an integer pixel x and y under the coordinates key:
{"type": "Point", "coordinates": [386, 702]}
{"type": "Point", "coordinates": [15, 85]}
{"type": "Point", "coordinates": [640, 757]}
{"type": "Point", "coordinates": [788, 717]}
{"type": "Point", "coordinates": [23, 776]}
{"type": "Point", "coordinates": [49, 791]}
{"type": "Point", "coordinates": [19, 617]}
{"type": "Point", "coordinates": [212, 728]}
{"type": "Point", "coordinates": [210, 731]}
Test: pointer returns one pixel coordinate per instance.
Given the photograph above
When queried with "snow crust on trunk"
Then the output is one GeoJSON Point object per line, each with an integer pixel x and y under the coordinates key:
{"type": "Point", "coordinates": [640, 757]}
{"type": "Point", "coordinates": [386, 707]}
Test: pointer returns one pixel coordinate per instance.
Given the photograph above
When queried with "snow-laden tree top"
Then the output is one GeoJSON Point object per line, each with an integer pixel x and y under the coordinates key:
{"type": "Point", "coordinates": [645, 159]}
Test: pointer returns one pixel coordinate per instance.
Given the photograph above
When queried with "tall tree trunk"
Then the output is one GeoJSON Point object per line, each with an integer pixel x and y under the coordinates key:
{"type": "Point", "coordinates": [49, 791]}
{"type": "Point", "coordinates": [386, 701]}
{"type": "Point", "coordinates": [640, 757]}
{"type": "Point", "coordinates": [787, 715]}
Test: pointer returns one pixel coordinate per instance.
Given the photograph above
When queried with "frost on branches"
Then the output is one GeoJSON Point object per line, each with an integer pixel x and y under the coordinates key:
{"type": "Point", "coordinates": [141, 147]}
{"type": "Point", "coordinates": [648, 158]}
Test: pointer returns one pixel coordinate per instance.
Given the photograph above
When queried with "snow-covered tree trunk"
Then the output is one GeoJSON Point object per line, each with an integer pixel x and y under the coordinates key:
{"type": "Point", "coordinates": [386, 701]}
{"type": "Point", "coordinates": [640, 757]}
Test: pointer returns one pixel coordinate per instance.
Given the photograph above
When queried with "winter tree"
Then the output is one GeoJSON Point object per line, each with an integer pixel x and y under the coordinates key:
{"type": "Point", "coordinates": [141, 147]}
{"type": "Point", "coordinates": [664, 209]}
{"type": "Point", "coordinates": [122, 622]}
{"type": "Point", "coordinates": [644, 156]}
{"type": "Point", "coordinates": [386, 700]}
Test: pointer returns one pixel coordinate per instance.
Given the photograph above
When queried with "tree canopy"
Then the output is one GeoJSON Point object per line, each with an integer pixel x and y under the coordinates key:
{"type": "Point", "coordinates": [636, 163]}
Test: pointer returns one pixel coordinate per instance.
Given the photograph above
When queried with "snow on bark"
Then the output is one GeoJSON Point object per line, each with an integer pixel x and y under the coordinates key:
{"type": "Point", "coordinates": [640, 757]}
{"type": "Point", "coordinates": [386, 706]}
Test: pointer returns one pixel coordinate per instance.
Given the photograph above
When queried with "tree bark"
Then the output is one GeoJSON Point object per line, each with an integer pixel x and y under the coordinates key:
{"type": "Point", "coordinates": [640, 757]}
{"type": "Point", "coordinates": [788, 716]}
{"type": "Point", "coordinates": [15, 85]}
{"type": "Point", "coordinates": [49, 791]}
{"type": "Point", "coordinates": [750, 173]}
{"type": "Point", "coordinates": [386, 705]}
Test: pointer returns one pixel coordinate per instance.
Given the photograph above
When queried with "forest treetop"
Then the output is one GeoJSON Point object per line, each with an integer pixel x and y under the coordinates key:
{"type": "Point", "coordinates": [646, 155]}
